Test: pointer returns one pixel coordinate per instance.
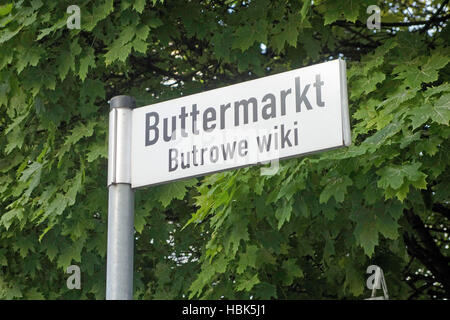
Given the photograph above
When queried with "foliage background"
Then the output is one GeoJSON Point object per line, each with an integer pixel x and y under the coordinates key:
{"type": "Point", "coordinates": [308, 232]}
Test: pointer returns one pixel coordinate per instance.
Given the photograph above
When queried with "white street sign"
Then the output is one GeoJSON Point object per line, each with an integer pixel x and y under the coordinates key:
{"type": "Point", "coordinates": [275, 117]}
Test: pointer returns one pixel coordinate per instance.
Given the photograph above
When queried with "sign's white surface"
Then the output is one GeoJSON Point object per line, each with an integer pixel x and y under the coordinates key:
{"type": "Point", "coordinates": [275, 117]}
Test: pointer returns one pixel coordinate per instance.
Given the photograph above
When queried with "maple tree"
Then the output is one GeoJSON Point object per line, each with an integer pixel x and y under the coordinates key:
{"type": "Point", "coordinates": [310, 231]}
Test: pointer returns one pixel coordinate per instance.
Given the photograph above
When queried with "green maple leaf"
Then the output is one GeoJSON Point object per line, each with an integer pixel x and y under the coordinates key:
{"type": "Point", "coordinates": [142, 32]}
{"type": "Point", "coordinates": [283, 214]}
{"type": "Point", "coordinates": [328, 250]}
{"type": "Point", "coordinates": [376, 59]}
{"type": "Point", "coordinates": [140, 46]}
{"type": "Point", "coordinates": [100, 11]}
{"type": "Point", "coordinates": [246, 36]}
{"type": "Point", "coordinates": [243, 38]}
{"type": "Point", "coordinates": [440, 110]}
{"type": "Point", "coordinates": [370, 221]}
{"type": "Point", "coordinates": [71, 252]}
{"type": "Point", "coordinates": [32, 265]}
{"type": "Point", "coordinates": [3, 260]}
{"type": "Point", "coordinates": [305, 9]}
{"type": "Point", "coordinates": [352, 9]}
{"type": "Point", "coordinates": [429, 71]}
{"type": "Point", "coordinates": [430, 145]}
{"type": "Point", "coordinates": [417, 73]}
{"type": "Point", "coordinates": [51, 249]}
{"type": "Point", "coordinates": [33, 183]}
{"type": "Point", "coordinates": [8, 217]}
{"type": "Point", "coordinates": [28, 57]}
{"type": "Point", "coordinates": [329, 210]}
{"type": "Point", "coordinates": [139, 5]}
{"type": "Point", "coordinates": [286, 32]}
{"type": "Point", "coordinates": [401, 95]}
{"type": "Point", "coordinates": [58, 25]}
{"type": "Point", "coordinates": [24, 245]}
{"type": "Point", "coordinates": [419, 116]}
{"type": "Point", "coordinates": [366, 232]}
{"type": "Point", "coordinates": [56, 207]}
{"type": "Point", "coordinates": [154, 22]}
{"type": "Point", "coordinates": [354, 280]}
{"type": "Point", "coordinates": [162, 273]}
{"type": "Point", "coordinates": [12, 292]}
{"type": "Point", "coordinates": [175, 190]}
{"type": "Point", "coordinates": [87, 60]}
{"type": "Point", "coordinates": [32, 169]}
{"type": "Point", "coordinates": [118, 51]}
{"type": "Point", "coordinates": [238, 232]}
{"type": "Point", "coordinates": [15, 140]}
{"type": "Point", "coordinates": [7, 34]}
{"type": "Point", "coordinates": [311, 45]}
{"type": "Point", "coordinates": [333, 12]}
{"type": "Point", "coordinates": [80, 131]}
{"type": "Point", "coordinates": [265, 257]}
{"type": "Point", "coordinates": [390, 177]}
{"type": "Point", "coordinates": [139, 220]}
{"type": "Point", "coordinates": [91, 90]}
{"type": "Point", "coordinates": [34, 294]}
{"type": "Point", "coordinates": [445, 87]}
{"type": "Point", "coordinates": [247, 284]}
{"type": "Point", "coordinates": [386, 220]}
{"type": "Point", "coordinates": [395, 180]}
{"type": "Point", "coordinates": [74, 188]}
{"type": "Point", "coordinates": [247, 259]}
{"type": "Point", "coordinates": [97, 150]}
{"type": "Point", "coordinates": [367, 84]}
{"type": "Point", "coordinates": [345, 9]}
{"type": "Point", "coordinates": [221, 46]}
{"type": "Point", "coordinates": [64, 61]}
{"type": "Point", "coordinates": [265, 291]}
{"type": "Point", "coordinates": [379, 138]}
{"type": "Point", "coordinates": [336, 186]}
{"type": "Point", "coordinates": [412, 77]}
{"type": "Point", "coordinates": [292, 271]}
{"type": "Point", "coordinates": [393, 176]}
{"type": "Point", "coordinates": [5, 9]}
{"type": "Point", "coordinates": [75, 50]}
{"type": "Point", "coordinates": [409, 138]}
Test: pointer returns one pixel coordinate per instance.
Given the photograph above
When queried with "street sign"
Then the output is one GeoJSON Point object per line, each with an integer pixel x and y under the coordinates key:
{"type": "Point", "coordinates": [280, 116]}
{"type": "Point", "coordinates": [284, 115]}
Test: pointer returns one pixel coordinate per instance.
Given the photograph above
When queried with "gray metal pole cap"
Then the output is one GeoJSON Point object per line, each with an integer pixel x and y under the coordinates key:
{"type": "Point", "coordinates": [122, 102]}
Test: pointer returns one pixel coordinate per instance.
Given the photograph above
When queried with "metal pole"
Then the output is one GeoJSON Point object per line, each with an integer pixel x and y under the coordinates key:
{"type": "Point", "coordinates": [120, 252]}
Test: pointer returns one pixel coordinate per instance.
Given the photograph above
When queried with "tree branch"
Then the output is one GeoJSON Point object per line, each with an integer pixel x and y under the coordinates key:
{"type": "Point", "coordinates": [420, 290]}
{"type": "Point", "coordinates": [438, 11]}
{"type": "Point", "coordinates": [426, 251]}
{"type": "Point", "coordinates": [440, 208]}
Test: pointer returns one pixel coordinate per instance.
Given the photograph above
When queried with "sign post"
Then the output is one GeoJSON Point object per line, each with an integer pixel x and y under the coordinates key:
{"type": "Point", "coordinates": [276, 117]}
{"type": "Point", "coordinates": [119, 267]}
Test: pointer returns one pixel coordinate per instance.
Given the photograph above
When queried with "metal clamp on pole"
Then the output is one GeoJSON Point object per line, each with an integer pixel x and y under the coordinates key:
{"type": "Point", "coordinates": [120, 252]}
